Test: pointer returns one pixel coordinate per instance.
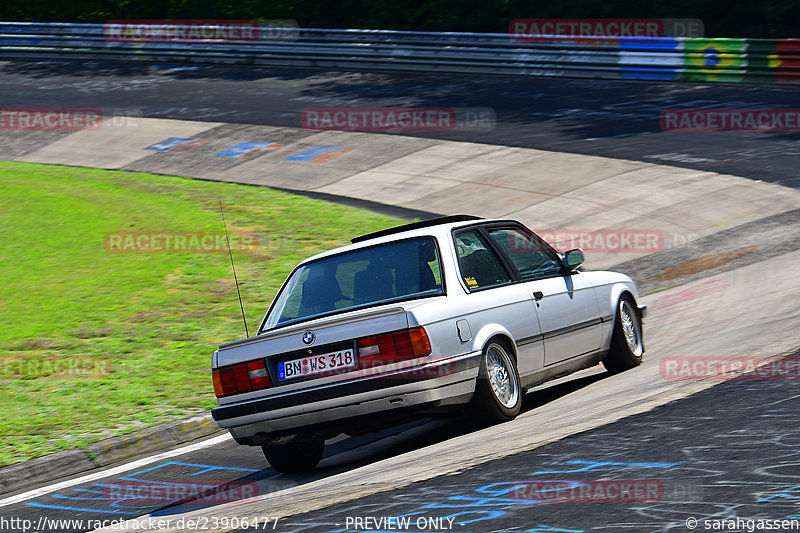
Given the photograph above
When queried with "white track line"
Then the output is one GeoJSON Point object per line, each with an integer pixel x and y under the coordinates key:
{"type": "Point", "coordinates": [113, 471]}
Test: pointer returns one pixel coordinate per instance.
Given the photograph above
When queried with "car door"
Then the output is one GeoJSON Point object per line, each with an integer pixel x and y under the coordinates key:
{"type": "Point", "coordinates": [566, 304]}
{"type": "Point", "coordinates": [495, 298]}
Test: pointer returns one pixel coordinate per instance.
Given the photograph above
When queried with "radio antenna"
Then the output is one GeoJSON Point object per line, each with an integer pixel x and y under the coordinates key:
{"type": "Point", "coordinates": [236, 281]}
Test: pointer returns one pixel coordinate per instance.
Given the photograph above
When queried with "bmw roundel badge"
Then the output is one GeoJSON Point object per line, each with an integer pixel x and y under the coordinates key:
{"type": "Point", "coordinates": [308, 337]}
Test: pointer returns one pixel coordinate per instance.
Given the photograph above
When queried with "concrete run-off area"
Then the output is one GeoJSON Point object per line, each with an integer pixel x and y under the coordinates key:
{"type": "Point", "coordinates": [616, 210]}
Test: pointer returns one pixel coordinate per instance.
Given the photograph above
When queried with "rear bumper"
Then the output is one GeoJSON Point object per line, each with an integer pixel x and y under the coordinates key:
{"type": "Point", "coordinates": [445, 382]}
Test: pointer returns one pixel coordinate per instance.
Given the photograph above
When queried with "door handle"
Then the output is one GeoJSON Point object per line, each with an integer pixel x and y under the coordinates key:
{"type": "Point", "coordinates": [538, 295]}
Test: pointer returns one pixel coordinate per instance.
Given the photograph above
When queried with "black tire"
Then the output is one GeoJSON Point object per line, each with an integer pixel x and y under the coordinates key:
{"type": "Point", "coordinates": [294, 457]}
{"type": "Point", "coordinates": [627, 344]}
{"type": "Point", "coordinates": [498, 396]}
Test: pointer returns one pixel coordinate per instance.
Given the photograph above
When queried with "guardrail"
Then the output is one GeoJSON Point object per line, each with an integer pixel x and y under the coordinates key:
{"type": "Point", "coordinates": [655, 58]}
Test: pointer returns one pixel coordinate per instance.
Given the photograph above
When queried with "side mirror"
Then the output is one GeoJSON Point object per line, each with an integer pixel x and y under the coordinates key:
{"type": "Point", "coordinates": [573, 259]}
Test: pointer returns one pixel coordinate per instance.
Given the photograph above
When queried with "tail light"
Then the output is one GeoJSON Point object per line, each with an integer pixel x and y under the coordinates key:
{"type": "Point", "coordinates": [393, 347]}
{"type": "Point", "coordinates": [372, 351]}
{"type": "Point", "coordinates": [243, 377]}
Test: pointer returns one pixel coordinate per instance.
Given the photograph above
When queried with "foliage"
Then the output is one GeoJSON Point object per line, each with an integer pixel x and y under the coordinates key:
{"type": "Point", "coordinates": [771, 18]}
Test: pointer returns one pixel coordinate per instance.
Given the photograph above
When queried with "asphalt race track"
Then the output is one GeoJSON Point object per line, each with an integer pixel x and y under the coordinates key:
{"type": "Point", "coordinates": [654, 450]}
{"type": "Point", "coordinates": [617, 119]}
{"type": "Point", "coordinates": [211, 470]}
{"type": "Point", "coordinates": [709, 457]}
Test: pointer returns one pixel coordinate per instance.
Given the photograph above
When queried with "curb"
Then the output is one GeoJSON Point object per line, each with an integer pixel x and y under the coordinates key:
{"type": "Point", "coordinates": [105, 453]}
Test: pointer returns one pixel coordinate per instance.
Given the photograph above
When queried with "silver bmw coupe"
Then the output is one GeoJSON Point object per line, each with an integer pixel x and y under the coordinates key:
{"type": "Point", "coordinates": [428, 318]}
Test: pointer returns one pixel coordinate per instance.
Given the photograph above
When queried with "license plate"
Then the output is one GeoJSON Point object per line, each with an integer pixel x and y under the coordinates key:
{"type": "Point", "coordinates": [314, 365]}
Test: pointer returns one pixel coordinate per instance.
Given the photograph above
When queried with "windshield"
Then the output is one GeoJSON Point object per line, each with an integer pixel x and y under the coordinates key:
{"type": "Point", "coordinates": [380, 274]}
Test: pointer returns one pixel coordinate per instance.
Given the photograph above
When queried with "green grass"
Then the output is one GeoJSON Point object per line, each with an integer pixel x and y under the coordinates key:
{"type": "Point", "coordinates": [138, 328]}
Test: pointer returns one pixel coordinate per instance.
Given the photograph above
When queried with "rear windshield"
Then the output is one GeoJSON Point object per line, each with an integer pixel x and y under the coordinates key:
{"type": "Point", "coordinates": [381, 274]}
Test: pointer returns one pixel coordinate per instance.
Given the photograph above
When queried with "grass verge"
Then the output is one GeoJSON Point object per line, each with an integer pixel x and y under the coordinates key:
{"type": "Point", "coordinates": [98, 342]}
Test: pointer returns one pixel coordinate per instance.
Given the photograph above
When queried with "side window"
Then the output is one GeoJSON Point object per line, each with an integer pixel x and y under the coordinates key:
{"type": "Point", "coordinates": [532, 257]}
{"type": "Point", "coordinates": [480, 266]}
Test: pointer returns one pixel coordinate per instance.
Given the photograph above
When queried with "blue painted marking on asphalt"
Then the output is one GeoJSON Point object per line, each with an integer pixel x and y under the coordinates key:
{"type": "Point", "coordinates": [116, 503]}
{"type": "Point", "coordinates": [153, 481]}
{"type": "Point", "coordinates": [471, 501]}
{"type": "Point", "coordinates": [785, 494]}
{"type": "Point", "coordinates": [64, 508]}
{"type": "Point", "coordinates": [83, 498]}
{"type": "Point", "coordinates": [592, 466]}
{"type": "Point", "coordinates": [208, 468]}
{"type": "Point", "coordinates": [477, 506]}
{"type": "Point", "coordinates": [312, 153]}
{"type": "Point", "coordinates": [89, 490]}
{"type": "Point", "coordinates": [521, 485]}
{"type": "Point", "coordinates": [168, 144]}
{"type": "Point", "coordinates": [241, 149]}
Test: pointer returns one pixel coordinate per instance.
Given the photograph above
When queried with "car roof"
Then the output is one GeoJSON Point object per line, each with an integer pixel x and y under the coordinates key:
{"type": "Point", "coordinates": [415, 225]}
{"type": "Point", "coordinates": [437, 227]}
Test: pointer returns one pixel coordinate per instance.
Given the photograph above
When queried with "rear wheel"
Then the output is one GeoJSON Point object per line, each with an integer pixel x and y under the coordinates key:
{"type": "Point", "coordinates": [294, 457]}
{"type": "Point", "coordinates": [498, 397]}
{"type": "Point", "coordinates": [627, 346]}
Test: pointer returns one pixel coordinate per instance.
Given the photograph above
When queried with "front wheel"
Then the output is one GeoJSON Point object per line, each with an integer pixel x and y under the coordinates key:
{"type": "Point", "coordinates": [294, 457]}
{"type": "Point", "coordinates": [498, 397]}
{"type": "Point", "coordinates": [627, 346]}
